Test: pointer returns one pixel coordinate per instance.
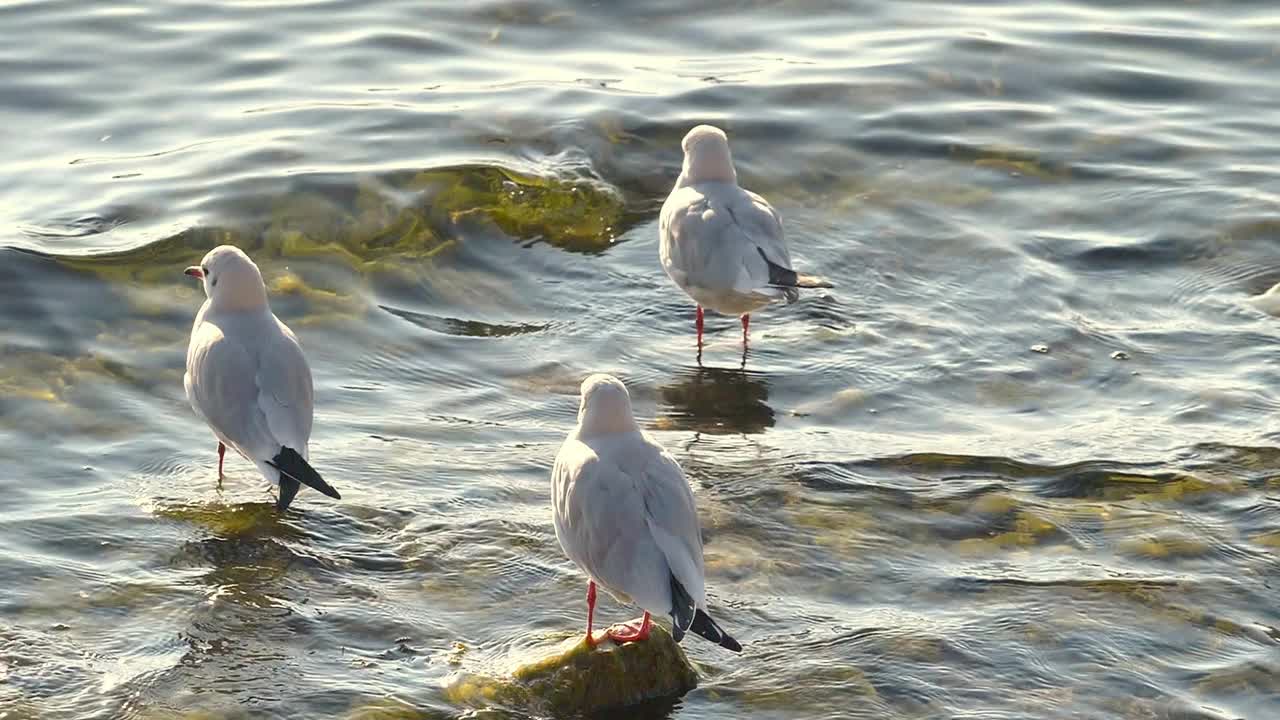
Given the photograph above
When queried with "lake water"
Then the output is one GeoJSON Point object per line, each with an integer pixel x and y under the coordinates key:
{"type": "Point", "coordinates": [1021, 462]}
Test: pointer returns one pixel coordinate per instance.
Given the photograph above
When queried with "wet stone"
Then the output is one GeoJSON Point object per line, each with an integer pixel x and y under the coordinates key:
{"type": "Point", "coordinates": [572, 678]}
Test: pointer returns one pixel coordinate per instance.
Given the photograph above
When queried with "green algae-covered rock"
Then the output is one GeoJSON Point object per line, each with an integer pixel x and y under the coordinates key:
{"type": "Point", "coordinates": [582, 214]}
{"type": "Point", "coordinates": [573, 678]}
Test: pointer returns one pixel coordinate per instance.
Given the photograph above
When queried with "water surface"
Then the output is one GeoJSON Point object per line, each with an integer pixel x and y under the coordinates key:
{"type": "Point", "coordinates": [1019, 463]}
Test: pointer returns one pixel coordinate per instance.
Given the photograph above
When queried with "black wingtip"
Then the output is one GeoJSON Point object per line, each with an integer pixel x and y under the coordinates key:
{"type": "Point", "coordinates": [288, 489]}
{"type": "Point", "coordinates": [293, 466]}
{"type": "Point", "coordinates": [685, 615]}
{"type": "Point", "coordinates": [704, 626]}
{"type": "Point", "coordinates": [683, 609]}
{"type": "Point", "coordinates": [787, 278]}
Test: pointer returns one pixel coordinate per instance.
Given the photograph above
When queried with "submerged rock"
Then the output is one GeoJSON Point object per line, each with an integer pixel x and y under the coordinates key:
{"type": "Point", "coordinates": [572, 678]}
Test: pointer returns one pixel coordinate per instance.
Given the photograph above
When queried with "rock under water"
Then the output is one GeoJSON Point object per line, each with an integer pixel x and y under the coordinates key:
{"type": "Point", "coordinates": [573, 678]}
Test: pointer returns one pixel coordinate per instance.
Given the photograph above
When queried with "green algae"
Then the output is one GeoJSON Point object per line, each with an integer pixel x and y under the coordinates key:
{"type": "Point", "coordinates": [1268, 539]}
{"type": "Point", "coordinates": [815, 693]}
{"type": "Point", "coordinates": [1166, 547]}
{"type": "Point", "coordinates": [844, 194]}
{"type": "Point", "coordinates": [838, 519]}
{"type": "Point", "coordinates": [994, 503]}
{"type": "Point", "coordinates": [374, 235]}
{"type": "Point", "coordinates": [580, 214]}
{"type": "Point", "coordinates": [36, 375]}
{"type": "Point", "coordinates": [1153, 595]}
{"type": "Point", "coordinates": [1015, 526]}
{"type": "Point", "coordinates": [228, 520]}
{"type": "Point", "coordinates": [1011, 160]}
{"type": "Point", "coordinates": [46, 393]}
{"type": "Point", "coordinates": [391, 709]}
{"type": "Point", "coordinates": [159, 713]}
{"type": "Point", "coordinates": [1259, 678]}
{"type": "Point", "coordinates": [384, 230]}
{"type": "Point", "coordinates": [1187, 486]}
{"type": "Point", "coordinates": [745, 557]}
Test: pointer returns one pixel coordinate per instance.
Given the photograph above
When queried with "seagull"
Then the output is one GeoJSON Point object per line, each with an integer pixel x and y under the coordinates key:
{"type": "Point", "coordinates": [247, 376]}
{"type": "Point", "coordinates": [721, 244]}
{"type": "Point", "coordinates": [625, 515]}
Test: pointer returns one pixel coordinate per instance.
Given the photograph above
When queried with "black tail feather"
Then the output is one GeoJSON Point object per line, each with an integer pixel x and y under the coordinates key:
{"type": "Point", "coordinates": [682, 609]}
{"type": "Point", "coordinates": [685, 615]}
{"type": "Point", "coordinates": [294, 470]}
{"type": "Point", "coordinates": [787, 278]}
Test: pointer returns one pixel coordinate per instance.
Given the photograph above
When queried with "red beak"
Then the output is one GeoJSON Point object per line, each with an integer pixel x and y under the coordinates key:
{"type": "Point", "coordinates": [194, 272]}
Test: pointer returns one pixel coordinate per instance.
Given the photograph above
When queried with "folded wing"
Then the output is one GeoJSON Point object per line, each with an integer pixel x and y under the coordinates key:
{"type": "Point", "coordinates": [285, 390]}
{"type": "Point", "coordinates": [222, 386]}
{"type": "Point", "coordinates": [601, 520]}
{"type": "Point", "coordinates": [672, 519]}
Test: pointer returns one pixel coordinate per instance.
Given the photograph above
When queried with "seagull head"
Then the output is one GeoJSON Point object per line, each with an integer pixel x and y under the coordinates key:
{"type": "Point", "coordinates": [706, 156]}
{"type": "Point", "coordinates": [605, 406]}
{"type": "Point", "coordinates": [231, 280]}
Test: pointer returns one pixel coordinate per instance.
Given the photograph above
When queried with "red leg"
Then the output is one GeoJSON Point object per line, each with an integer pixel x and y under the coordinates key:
{"type": "Point", "coordinates": [699, 326]}
{"type": "Point", "coordinates": [222, 450]}
{"type": "Point", "coordinates": [591, 608]}
{"type": "Point", "coordinates": [629, 632]}
{"type": "Point", "coordinates": [746, 321]}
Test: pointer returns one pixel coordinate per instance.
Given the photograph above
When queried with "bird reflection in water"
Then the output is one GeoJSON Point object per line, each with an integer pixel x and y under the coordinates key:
{"type": "Point", "coordinates": [716, 400]}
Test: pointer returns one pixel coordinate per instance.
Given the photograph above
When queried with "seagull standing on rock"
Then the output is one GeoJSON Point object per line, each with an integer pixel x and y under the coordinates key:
{"type": "Point", "coordinates": [721, 244]}
{"type": "Point", "coordinates": [247, 376]}
{"type": "Point", "coordinates": [625, 515]}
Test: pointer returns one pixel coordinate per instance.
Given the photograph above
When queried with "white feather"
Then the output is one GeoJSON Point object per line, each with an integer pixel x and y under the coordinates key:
{"type": "Point", "coordinates": [622, 508]}
{"type": "Point", "coordinates": [713, 232]}
{"type": "Point", "coordinates": [246, 373]}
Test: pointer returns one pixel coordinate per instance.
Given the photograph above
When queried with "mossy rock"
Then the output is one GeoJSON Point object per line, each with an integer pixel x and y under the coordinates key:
{"type": "Point", "coordinates": [583, 214]}
{"type": "Point", "coordinates": [573, 678]}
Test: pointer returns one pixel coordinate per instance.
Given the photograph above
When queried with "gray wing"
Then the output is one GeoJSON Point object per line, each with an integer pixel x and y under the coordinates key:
{"type": "Point", "coordinates": [672, 518]}
{"type": "Point", "coordinates": [601, 523]}
{"type": "Point", "coordinates": [768, 233]}
{"type": "Point", "coordinates": [222, 387]}
{"type": "Point", "coordinates": [285, 391]}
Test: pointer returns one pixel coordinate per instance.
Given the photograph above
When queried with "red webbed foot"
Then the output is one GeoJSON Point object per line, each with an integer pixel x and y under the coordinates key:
{"type": "Point", "coordinates": [630, 632]}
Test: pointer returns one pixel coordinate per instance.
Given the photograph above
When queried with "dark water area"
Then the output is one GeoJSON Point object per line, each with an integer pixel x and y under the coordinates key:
{"type": "Point", "coordinates": [1020, 462]}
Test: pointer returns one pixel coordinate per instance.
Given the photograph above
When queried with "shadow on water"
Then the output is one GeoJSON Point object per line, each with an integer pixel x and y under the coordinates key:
{"type": "Point", "coordinates": [716, 400]}
{"type": "Point", "coordinates": [461, 327]}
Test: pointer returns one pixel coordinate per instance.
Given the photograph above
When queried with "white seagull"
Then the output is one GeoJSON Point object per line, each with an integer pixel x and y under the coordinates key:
{"type": "Point", "coordinates": [247, 376]}
{"type": "Point", "coordinates": [624, 513]}
{"type": "Point", "coordinates": [721, 244]}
